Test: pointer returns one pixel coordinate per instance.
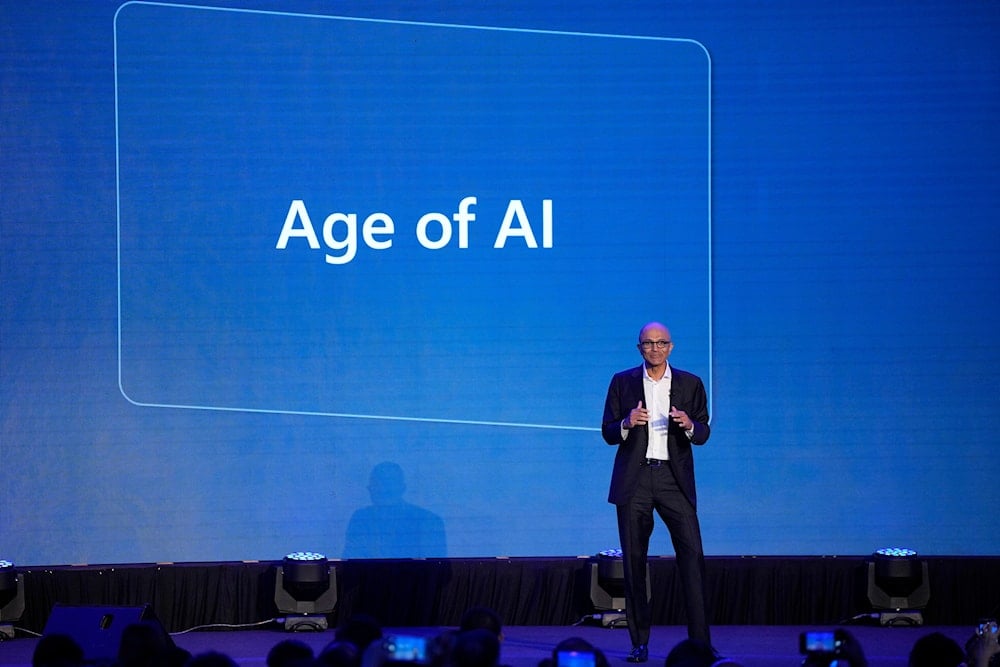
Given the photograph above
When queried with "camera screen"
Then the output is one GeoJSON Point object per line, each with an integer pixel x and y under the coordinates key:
{"type": "Point", "coordinates": [406, 648]}
{"type": "Point", "coordinates": [817, 642]}
{"type": "Point", "coordinates": [575, 659]}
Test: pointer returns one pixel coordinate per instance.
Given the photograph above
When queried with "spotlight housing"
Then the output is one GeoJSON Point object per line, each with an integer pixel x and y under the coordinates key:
{"type": "Point", "coordinates": [898, 586]}
{"type": "Point", "coordinates": [305, 590]}
{"type": "Point", "coordinates": [607, 587]}
{"type": "Point", "coordinates": [11, 598]}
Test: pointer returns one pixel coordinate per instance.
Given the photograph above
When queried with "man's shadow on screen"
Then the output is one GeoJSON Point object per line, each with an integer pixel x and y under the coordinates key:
{"type": "Point", "coordinates": [391, 527]}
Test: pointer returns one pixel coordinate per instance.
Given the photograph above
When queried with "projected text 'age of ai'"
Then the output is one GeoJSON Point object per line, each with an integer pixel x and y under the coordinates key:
{"type": "Point", "coordinates": [434, 230]}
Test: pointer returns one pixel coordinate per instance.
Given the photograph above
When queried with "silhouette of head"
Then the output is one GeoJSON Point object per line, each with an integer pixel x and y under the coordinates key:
{"type": "Point", "coordinates": [482, 617]}
{"type": "Point", "coordinates": [57, 651]}
{"type": "Point", "coordinates": [476, 648]}
{"type": "Point", "coordinates": [691, 653]}
{"type": "Point", "coordinates": [340, 653]}
{"type": "Point", "coordinates": [289, 653]}
{"type": "Point", "coordinates": [143, 644]}
{"type": "Point", "coordinates": [386, 484]}
{"type": "Point", "coordinates": [211, 659]}
{"type": "Point", "coordinates": [936, 650]}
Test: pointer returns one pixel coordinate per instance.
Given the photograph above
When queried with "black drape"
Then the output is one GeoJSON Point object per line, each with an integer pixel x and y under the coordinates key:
{"type": "Point", "coordinates": [525, 591]}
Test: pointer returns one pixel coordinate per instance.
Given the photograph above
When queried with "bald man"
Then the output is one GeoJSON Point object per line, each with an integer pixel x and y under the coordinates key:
{"type": "Point", "coordinates": [653, 414]}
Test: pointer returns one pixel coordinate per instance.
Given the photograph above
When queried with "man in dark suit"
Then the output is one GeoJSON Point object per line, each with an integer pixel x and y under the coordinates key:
{"type": "Point", "coordinates": [654, 413]}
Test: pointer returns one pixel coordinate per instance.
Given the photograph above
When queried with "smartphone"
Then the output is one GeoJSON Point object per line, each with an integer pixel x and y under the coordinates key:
{"type": "Point", "coordinates": [575, 659]}
{"type": "Point", "coordinates": [405, 648]}
{"type": "Point", "coordinates": [818, 642]}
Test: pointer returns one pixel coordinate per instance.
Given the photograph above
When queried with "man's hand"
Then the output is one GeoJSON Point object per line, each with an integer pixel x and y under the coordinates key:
{"type": "Point", "coordinates": [681, 419]}
{"type": "Point", "coordinates": [637, 416]}
{"type": "Point", "coordinates": [983, 645]}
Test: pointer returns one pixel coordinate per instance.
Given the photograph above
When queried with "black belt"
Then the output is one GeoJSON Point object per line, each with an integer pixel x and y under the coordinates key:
{"type": "Point", "coordinates": [655, 463]}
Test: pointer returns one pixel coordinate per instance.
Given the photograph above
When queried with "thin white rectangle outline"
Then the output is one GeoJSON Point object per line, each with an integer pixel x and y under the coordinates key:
{"type": "Point", "coordinates": [436, 420]}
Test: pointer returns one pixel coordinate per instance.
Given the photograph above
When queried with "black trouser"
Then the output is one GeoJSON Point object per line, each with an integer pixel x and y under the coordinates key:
{"type": "Point", "coordinates": [657, 490]}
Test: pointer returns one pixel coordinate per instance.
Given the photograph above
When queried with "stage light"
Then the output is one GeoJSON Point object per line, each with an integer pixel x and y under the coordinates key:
{"type": "Point", "coordinates": [305, 590]}
{"type": "Point", "coordinates": [898, 586]}
{"type": "Point", "coordinates": [11, 598]}
{"type": "Point", "coordinates": [607, 587]}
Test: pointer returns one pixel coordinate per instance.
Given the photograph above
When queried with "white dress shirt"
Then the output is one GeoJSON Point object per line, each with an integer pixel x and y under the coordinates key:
{"type": "Point", "coordinates": [657, 393]}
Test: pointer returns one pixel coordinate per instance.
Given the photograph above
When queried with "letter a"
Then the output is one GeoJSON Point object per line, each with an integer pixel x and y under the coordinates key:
{"type": "Point", "coordinates": [297, 210]}
{"type": "Point", "coordinates": [515, 209]}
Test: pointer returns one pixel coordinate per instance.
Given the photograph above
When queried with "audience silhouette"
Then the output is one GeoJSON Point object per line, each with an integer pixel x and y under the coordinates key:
{"type": "Point", "coordinates": [290, 653]}
{"type": "Point", "coordinates": [146, 644]}
{"type": "Point", "coordinates": [478, 647]}
{"type": "Point", "coordinates": [936, 650]}
{"type": "Point", "coordinates": [482, 618]}
{"type": "Point", "coordinates": [691, 653]}
{"type": "Point", "coordinates": [57, 650]}
{"type": "Point", "coordinates": [211, 659]}
{"type": "Point", "coordinates": [339, 653]}
{"type": "Point", "coordinates": [983, 647]}
{"type": "Point", "coordinates": [477, 642]}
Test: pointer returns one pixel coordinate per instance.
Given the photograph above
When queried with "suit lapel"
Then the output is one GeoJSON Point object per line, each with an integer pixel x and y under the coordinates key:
{"type": "Point", "coordinates": [637, 388]}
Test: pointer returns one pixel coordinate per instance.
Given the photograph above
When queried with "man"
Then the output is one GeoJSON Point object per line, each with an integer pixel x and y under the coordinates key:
{"type": "Point", "coordinates": [654, 413]}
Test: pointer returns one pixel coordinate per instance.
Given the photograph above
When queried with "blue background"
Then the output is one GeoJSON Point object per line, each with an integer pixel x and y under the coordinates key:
{"type": "Point", "coordinates": [853, 341]}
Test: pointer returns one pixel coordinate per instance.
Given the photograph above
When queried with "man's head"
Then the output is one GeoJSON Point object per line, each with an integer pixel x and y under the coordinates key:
{"type": "Point", "coordinates": [476, 648]}
{"type": "Point", "coordinates": [936, 650]}
{"type": "Point", "coordinates": [482, 617]}
{"type": "Point", "coordinates": [655, 344]}
{"type": "Point", "coordinates": [289, 653]}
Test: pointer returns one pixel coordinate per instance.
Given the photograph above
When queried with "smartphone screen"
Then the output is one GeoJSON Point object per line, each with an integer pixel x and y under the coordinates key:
{"type": "Point", "coordinates": [575, 659]}
{"type": "Point", "coordinates": [817, 642]}
{"type": "Point", "coordinates": [406, 648]}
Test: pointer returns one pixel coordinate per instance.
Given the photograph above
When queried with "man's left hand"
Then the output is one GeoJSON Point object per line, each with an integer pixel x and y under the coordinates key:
{"type": "Point", "coordinates": [681, 419]}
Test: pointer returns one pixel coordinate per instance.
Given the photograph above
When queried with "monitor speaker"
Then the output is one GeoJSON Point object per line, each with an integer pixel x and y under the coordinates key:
{"type": "Point", "coordinates": [98, 629]}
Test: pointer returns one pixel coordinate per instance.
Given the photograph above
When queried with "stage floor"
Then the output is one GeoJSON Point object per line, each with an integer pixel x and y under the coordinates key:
{"type": "Point", "coordinates": [525, 646]}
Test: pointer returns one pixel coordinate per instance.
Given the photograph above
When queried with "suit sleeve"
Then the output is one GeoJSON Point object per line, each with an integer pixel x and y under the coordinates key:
{"type": "Point", "coordinates": [611, 427]}
{"type": "Point", "coordinates": [699, 415]}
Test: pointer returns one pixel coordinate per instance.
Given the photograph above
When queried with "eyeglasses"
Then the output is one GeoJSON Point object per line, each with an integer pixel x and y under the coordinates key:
{"type": "Point", "coordinates": [658, 344]}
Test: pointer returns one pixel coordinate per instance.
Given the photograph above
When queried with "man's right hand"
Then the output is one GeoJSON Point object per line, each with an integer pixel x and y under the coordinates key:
{"type": "Point", "coordinates": [637, 416]}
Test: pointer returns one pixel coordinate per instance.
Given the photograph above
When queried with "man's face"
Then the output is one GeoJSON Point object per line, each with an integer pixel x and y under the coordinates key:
{"type": "Point", "coordinates": [655, 345]}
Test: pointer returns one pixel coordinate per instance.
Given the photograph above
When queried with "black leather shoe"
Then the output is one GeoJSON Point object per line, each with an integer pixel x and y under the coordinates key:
{"type": "Point", "coordinates": [639, 653]}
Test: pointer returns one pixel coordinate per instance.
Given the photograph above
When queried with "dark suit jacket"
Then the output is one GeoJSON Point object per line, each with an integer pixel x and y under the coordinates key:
{"type": "Point", "coordinates": [687, 393]}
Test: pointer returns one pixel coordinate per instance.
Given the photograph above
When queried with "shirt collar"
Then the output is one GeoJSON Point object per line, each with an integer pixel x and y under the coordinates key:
{"type": "Point", "coordinates": [645, 374]}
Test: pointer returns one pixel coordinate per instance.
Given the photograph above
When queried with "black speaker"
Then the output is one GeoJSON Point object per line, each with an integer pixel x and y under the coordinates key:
{"type": "Point", "coordinates": [98, 629]}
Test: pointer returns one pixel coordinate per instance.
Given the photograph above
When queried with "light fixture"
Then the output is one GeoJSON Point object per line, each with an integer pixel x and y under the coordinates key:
{"type": "Point", "coordinates": [607, 587]}
{"type": "Point", "coordinates": [11, 598]}
{"type": "Point", "coordinates": [898, 586]}
{"type": "Point", "coordinates": [305, 590]}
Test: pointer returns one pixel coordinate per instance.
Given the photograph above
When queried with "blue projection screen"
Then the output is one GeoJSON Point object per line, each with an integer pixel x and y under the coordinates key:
{"type": "Point", "coordinates": [316, 203]}
{"type": "Point", "coordinates": [354, 277]}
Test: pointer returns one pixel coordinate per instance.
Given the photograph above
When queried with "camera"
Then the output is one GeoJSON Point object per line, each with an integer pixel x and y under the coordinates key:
{"type": "Point", "coordinates": [818, 642]}
{"type": "Point", "coordinates": [576, 659]}
{"type": "Point", "coordinates": [822, 648]}
{"type": "Point", "coordinates": [405, 648]}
